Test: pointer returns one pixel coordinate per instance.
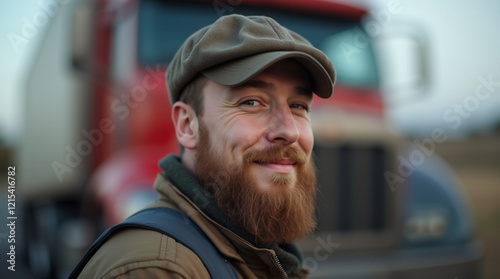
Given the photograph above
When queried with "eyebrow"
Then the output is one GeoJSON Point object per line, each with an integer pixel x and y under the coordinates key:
{"type": "Point", "coordinates": [260, 84]}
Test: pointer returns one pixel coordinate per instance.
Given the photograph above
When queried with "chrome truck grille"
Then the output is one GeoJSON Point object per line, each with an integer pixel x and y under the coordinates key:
{"type": "Point", "coordinates": [355, 205]}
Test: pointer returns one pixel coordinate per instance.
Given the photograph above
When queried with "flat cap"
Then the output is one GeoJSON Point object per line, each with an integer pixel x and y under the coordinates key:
{"type": "Point", "coordinates": [235, 48]}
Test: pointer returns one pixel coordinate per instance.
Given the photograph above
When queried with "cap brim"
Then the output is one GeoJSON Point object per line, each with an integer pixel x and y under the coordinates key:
{"type": "Point", "coordinates": [236, 72]}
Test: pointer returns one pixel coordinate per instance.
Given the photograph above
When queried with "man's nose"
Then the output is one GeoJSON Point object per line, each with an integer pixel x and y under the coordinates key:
{"type": "Point", "coordinates": [282, 127]}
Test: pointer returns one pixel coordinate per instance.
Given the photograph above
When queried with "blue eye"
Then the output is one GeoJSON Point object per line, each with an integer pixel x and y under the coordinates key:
{"type": "Point", "coordinates": [250, 102]}
{"type": "Point", "coordinates": [299, 106]}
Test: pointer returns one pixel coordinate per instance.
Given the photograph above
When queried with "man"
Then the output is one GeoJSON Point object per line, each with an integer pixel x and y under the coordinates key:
{"type": "Point", "coordinates": [241, 91]}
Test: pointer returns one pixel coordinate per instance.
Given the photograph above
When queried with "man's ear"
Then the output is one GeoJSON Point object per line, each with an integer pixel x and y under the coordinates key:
{"type": "Point", "coordinates": [186, 124]}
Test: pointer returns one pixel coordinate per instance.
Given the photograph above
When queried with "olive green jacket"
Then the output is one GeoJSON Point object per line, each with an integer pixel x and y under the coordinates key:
{"type": "Point", "coordinates": [138, 253]}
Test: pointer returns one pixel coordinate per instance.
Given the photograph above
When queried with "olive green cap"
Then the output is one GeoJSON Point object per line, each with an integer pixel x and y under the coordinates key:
{"type": "Point", "coordinates": [236, 48]}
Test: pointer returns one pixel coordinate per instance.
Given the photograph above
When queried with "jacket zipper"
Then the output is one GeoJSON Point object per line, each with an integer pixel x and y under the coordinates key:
{"type": "Point", "coordinates": [277, 261]}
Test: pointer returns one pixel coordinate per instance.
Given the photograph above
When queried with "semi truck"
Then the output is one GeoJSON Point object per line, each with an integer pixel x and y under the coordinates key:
{"type": "Point", "coordinates": [98, 121]}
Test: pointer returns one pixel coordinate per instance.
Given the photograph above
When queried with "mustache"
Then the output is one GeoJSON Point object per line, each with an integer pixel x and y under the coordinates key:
{"type": "Point", "coordinates": [276, 153]}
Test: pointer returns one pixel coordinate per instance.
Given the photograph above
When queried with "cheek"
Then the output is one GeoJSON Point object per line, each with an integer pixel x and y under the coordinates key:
{"type": "Point", "coordinates": [306, 140]}
{"type": "Point", "coordinates": [245, 134]}
{"type": "Point", "coordinates": [237, 136]}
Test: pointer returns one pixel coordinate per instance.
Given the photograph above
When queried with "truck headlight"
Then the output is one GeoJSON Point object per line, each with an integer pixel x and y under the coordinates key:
{"type": "Point", "coordinates": [136, 201]}
{"type": "Point", "coordinates": [425, 226]}
{"type": "Point", "coordinates": [436, 209]}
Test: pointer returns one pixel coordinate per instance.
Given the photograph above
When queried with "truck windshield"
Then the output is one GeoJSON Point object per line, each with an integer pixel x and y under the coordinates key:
{"type": "Point", "coordinates": [164, 25]}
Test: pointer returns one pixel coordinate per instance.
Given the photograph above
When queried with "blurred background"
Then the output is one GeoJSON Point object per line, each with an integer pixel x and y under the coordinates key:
{"type": "Point", "coordinates": [449, 70]}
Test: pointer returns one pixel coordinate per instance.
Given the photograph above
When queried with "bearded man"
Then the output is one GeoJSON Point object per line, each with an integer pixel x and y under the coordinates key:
{"type": "Point", "coordinates": [241, 91]}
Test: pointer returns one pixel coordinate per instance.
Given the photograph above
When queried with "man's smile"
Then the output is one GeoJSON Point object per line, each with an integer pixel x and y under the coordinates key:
{"type": "Point", "coordinates": [285, 165]}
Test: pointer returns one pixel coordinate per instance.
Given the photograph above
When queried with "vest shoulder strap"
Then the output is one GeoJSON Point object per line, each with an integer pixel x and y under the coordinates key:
{"type": "Point", "coordinates": [176, 225]}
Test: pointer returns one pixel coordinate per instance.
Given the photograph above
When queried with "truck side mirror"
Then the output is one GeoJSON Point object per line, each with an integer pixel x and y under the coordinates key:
{"type": "Point", "coordinates": [82, 36]}
{"type": "Point", "coordinates": [403, 52]}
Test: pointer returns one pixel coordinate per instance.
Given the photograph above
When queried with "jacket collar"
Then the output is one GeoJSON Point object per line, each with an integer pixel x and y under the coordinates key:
{"type": "Point", "coordinates": [202, 208]}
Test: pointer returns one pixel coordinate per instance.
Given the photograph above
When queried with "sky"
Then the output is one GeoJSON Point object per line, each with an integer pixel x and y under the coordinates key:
{"type": "Point", "coordinates": [463, 43]}
{"type": "Point", "coordinates": [15, 59]}
{"type": "Point", "coordinates": [463, 48]}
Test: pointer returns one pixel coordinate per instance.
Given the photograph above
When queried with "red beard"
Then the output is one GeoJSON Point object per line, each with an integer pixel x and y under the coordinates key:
{"type": "Point", "coordinates": [282, 215]}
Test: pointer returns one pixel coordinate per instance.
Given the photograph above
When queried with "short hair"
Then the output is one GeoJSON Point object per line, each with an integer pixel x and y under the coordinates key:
{"type": "Point", "coordinates": [193, 95]}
